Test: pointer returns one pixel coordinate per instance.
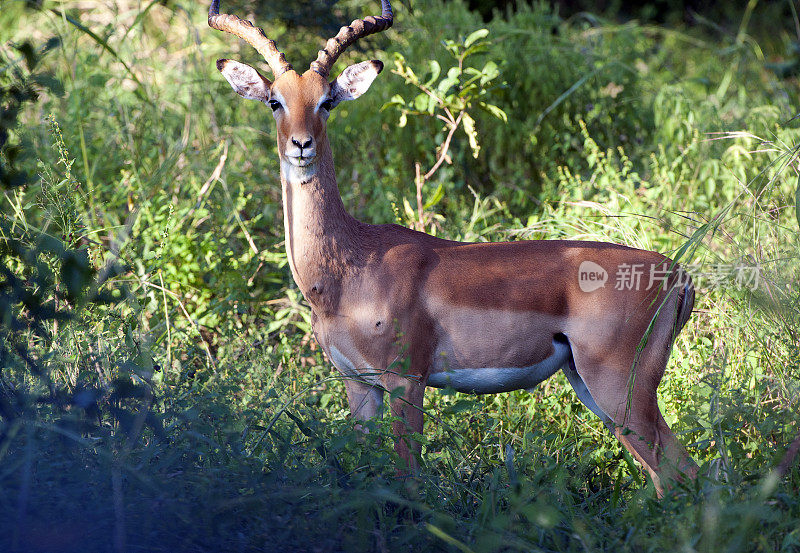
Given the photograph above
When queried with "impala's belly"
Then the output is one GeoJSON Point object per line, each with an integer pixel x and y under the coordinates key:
{"type": "Point", "coordinates": [492, 380]}
{"type": "Point", "coordinates": [475, 338]}
{"type": "Point", "coordinates": [488, 351]}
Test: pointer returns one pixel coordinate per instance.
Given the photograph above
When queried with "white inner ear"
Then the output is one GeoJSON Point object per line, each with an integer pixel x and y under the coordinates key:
{"type": "Point", "coordinates": [246, 81]}
{"type": "Point", "coordinates": [354, 81]}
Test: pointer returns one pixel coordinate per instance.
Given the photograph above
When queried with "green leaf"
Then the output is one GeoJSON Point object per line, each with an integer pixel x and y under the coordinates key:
{"type": "Point", "coordinates": [402, 69]}
{"type": "Point", "coordinates": [490, 71]}
{"type": "Point", "coordinates": [421, 102]}
{"type": "Point", "coordinates": [451, 47]}
{"type": "Point", "coordinates": [396, 100]}
{"type": "Point", "coordinates": [472, 134]}
{"type": "Point", "coordinates": [476, 49]}
{"type": "Point", "coordinates": [469, 91]}
{"type": "Point", "coordinates": [446, 84]}
{"type": "Point", "coordinates": [475, 36]}
{"type": "Point", "coordinates": [436, 198]}
{"type": "Point", "coordinates": [494, 110]}
{"type": "Point", "coordinates": [436, 70]}
{"type": "Point", "coordinates": [403, 120]}
{"type": "Point", "coordinates": [409, 211]}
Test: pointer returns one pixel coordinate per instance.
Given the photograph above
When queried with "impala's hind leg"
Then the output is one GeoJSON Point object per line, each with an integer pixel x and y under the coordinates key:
{"type": "Point", "coordinates": [632, 409]}
{"type": "Point", "coordinates": [406, 408]}
{"type": "Point", "coordinates": [648, 437]}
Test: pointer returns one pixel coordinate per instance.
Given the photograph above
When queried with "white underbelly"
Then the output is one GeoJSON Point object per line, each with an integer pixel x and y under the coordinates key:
{"type": "Point", "coordinates": [492, 380]}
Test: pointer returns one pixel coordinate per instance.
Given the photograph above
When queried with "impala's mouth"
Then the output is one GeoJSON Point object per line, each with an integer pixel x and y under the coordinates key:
{"type": "Point", "coordinates": [301, 161]}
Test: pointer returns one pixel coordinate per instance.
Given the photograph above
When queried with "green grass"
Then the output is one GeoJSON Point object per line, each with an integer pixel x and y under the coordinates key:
{"type": "Point", "coordinates": [159, 386]}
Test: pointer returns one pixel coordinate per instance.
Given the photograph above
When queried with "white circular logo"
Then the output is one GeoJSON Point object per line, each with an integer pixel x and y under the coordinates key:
{"type": "Point", "coordinates": [591, 276]}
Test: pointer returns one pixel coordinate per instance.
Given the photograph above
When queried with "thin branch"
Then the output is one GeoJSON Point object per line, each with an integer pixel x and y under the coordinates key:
{"type": "Point", "coordinates": [419, 181]}
{"type": "Point", "coordinates": [214, 177]}
{"type": "Point", "coordinates": [445, 147]}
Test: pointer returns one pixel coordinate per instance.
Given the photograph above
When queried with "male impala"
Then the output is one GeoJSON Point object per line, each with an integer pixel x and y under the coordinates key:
{"type": "Point", "coordinates": [480, 318]}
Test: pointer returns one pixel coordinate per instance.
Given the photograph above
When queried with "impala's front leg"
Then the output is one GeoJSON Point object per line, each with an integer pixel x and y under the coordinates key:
{"type": "Point", "coordinates": [365, 400]}
{"type": "Point", "coordinates": [406, 409]}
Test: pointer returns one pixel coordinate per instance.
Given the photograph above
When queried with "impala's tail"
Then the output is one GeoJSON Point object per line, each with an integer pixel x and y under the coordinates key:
{"type": "Point", "coordinates": [685, 301]}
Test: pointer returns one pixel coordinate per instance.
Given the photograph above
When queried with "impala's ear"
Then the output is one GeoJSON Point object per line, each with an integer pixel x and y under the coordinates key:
{"type": "Point", "coordinates": [246, 81]}
{"type": "Point", "coordinates": [354, 81]}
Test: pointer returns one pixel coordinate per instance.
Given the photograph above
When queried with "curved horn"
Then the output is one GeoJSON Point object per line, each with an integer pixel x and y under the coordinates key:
{"type": "Point", "coordinates": [253, 35]}
{"type": "Point", "coordinates": [348, 35]}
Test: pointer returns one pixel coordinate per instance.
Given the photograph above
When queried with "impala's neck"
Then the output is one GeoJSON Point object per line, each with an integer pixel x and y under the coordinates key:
{"type": "Point", "coordinates": [321, 237]}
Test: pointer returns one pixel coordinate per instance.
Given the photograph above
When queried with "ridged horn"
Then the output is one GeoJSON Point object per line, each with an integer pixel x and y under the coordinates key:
{"type": "Point", "coordinates": [348, 35]}
{"type": "Point", "coordinates": [251, 34]}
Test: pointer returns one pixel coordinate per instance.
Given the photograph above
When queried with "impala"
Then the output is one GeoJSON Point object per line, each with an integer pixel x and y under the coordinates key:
{"type": "Point", "coordinates": [476, 317]}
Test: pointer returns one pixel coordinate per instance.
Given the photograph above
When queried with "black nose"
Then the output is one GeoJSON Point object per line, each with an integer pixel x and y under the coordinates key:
{"type": "Point", "coordinates": [306, 144]}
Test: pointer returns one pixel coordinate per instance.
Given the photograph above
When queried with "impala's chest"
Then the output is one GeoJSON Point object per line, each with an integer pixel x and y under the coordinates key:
{"type": "Point", "coordinates": [323, 291]}
{"type": "Point", "coordinates": [354, 324]}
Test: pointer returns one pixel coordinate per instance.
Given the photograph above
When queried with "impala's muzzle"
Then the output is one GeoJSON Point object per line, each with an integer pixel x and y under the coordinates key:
{"type": "Point", "coordinates": [301, 151]}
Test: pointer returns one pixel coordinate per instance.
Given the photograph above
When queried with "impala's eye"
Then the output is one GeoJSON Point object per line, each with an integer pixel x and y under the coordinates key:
{"type": "Point", "coordinates": [327, 105]}
{"type": "Point", "coordinates": [275, 105]}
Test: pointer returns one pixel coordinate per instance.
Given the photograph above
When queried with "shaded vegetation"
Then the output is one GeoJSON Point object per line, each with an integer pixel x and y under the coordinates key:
{"type": "Point", "coordinates": [159, 386]}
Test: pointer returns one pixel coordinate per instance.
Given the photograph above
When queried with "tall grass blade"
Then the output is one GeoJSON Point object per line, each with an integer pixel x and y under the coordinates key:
{"type": "Point", "coordinates": [108, 48]}
{"type": "Point", "coordinates": [797, 201]}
